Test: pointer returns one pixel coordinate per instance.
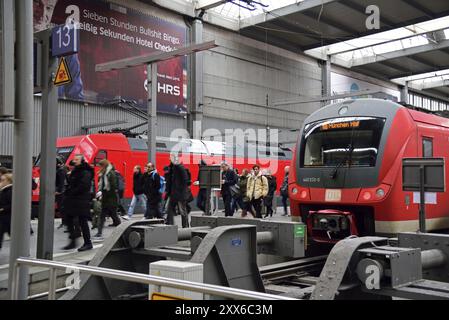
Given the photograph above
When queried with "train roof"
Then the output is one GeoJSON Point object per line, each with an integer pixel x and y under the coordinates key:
{"type": "Point", "coordinates": [376, 108]}
{"type": "Point", "coordinates": [120, 142]}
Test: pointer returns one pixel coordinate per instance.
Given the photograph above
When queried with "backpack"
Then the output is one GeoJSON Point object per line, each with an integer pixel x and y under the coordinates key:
{"type": "Point", "coordinates": [120, 182]}
{"type": "Point", "coordinates": [162, 182]}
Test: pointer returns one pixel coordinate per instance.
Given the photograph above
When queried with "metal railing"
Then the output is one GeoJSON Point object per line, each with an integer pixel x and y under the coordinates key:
{"type": "Point", "coordinates": [204, 288]}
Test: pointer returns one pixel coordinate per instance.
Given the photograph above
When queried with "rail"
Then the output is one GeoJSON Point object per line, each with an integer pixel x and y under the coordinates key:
{"type": "Point", "coordinates": [204, 288]}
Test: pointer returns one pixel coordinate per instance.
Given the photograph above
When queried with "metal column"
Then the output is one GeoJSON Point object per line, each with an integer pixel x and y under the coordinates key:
{"type": "Point", "coordinates": [23, 141]}
{"type": "Point", "coordinates": [48, 153]}
{"type": "Point", "coordinates": [152, 110]}
{"type": "Point", "coordinates": [196, 102]}
{"type": "Point", "coordinates": [404, 93]}
{"type": "Point", "coordinates": [6, 58]}
{"type": "Point", "coordinates": [326, 89]}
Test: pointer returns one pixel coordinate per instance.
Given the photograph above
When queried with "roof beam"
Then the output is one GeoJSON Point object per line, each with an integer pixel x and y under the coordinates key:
{"type": "Point", "coordinates": [400, 53]}
{"type": "Point", "coordinates": [431, 84]}
{"type": "Point", "coordinates": [333, 24]}
{"type": "Point", "coordinates": [284, 11]}
{"type": "Point", "coordinates": [361, 9]}
{"type": "Point", "coordinates": [209, 4]}
{"type": "Point", "coordinates": [420, 7]}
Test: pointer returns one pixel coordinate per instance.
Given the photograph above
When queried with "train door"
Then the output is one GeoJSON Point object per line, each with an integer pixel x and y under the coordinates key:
{"type": "Point", "coordinates": [121, 162]}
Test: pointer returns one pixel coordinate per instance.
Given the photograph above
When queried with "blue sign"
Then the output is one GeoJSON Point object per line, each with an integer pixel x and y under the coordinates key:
{"type": "Point", "coordinates": [236, 242]}
{"type": "Point", "coordinates": [65, 40]}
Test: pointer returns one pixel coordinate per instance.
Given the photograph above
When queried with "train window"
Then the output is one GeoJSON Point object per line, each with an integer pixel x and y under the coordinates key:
{"type": "Point", "coordinates": [102, 154]}
{"type": "Point", "coordinates": [343, 142]}
{"type": "Point", "coordinates": [427, 147]}
{"type": "Point", "coordinates": [137, 144]}
{"type": "Point", "coordinates": [161, 145]}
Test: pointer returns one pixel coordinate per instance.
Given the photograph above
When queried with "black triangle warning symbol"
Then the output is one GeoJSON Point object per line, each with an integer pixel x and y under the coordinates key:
{"type": "Point", "coordinates": [63, 74]}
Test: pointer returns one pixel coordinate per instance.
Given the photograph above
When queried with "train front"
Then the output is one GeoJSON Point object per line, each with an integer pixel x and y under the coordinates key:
{"type": "Point", "coordinates": [344, 167]}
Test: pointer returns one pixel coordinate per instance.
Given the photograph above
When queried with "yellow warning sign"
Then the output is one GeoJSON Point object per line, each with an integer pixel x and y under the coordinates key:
{"type": "Point", "coordinates": [63, 74]}
{"type": "Point", "coordinates": [163, 296]}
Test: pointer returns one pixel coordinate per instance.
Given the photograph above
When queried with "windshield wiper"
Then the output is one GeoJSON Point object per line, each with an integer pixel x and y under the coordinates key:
{"type": "Point", "coordinates": [350, 148]}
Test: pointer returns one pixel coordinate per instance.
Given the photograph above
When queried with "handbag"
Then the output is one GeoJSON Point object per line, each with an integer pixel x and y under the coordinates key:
{"type": "Point", "coordinates": [235, 190]}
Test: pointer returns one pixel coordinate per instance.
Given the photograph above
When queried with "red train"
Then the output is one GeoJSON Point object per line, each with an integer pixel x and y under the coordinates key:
{"type": "Point", "coordinates": [126, 152]}
{"type": "Point", "coordinates": [346, 177]}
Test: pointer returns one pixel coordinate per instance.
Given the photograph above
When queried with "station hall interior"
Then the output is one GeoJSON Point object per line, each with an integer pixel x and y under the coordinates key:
{"type": "Point", "coordinates": [148, 145]}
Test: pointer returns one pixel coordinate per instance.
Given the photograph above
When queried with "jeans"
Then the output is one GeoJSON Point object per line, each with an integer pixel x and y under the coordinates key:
{"type": "Point", "coordinates": [73, 225]}
{"type": "Point", "coordinates": [227, 199]}
{"type": "Point", "coordinates": [153, 211]}
{"type": "Point", "coordinates": [182, 208]}
{"type": "Point", "coordinates": [284, 203]}
{"type": "Point", "coordinates": [257, 204]}
{"type": "Point", "coordinates": [135, 200]}
{"type": "Point", "coordinates": [108, 211]}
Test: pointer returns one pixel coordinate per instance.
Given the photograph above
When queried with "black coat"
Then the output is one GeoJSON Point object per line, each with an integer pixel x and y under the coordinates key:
{"type": "Point", "coordinates": [230, 179]}
{"type": "Point", "coordinates": [78, 196]}
{"type": "Point", "coordinates": [272, 185]}
{"type": "Point", "coordinates": [6, 202]}
{"type": "Point", "coordinates": [138, 183]}
{"type": "Point", "coordinates": [61, 175]}
{"type": "Point", "coordinates": [151, 186]}
{"type": "Point", "coordinates": [177, 183]}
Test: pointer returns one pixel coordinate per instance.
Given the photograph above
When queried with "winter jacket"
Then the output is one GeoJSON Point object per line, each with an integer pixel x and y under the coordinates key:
{"type": "Point", "coordinates": [230, 179]}
{"type": "Point", "coordinates": [284, 186]}
{"type": "Point", "coordinates": [6, 201]}
{"type": "Point", "coordinates": [107, 184]}
{"type": "Point", "coordinates": [257, 187]}
{"type": "Point", "coordinates": [61, 175]}
{"type": "Point", "coordinates": [78, 196]}
{"type": "Point", "coordinates": [138, 183]}
{"type": "Point", "coordinates": [272, 186]}
{"type": "Point", "coordinates": [151, 185]}
{"type": "Point", "coordinates": [243, 183]}
{"type": "Point", "coordinates": [177, 183]}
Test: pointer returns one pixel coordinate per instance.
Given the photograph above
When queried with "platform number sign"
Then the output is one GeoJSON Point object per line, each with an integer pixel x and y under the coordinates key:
{"type": "Point", "coordinates": [64, 40]}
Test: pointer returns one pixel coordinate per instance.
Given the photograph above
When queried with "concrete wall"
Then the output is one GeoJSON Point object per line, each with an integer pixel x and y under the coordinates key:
{"type": "Point", "coordinates": [244, 77]}
{"type": "Point", "coordinates": [74, 115]}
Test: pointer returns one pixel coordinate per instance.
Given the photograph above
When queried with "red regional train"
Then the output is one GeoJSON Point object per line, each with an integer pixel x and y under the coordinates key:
{"type": "Point", "coordinates": [126, 152]}
{"type": "Point", "coordinates": [346, 175]}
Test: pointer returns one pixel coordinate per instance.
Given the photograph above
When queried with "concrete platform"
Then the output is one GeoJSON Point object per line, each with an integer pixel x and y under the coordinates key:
{"type": "Point", "coordinates": [39, 276]}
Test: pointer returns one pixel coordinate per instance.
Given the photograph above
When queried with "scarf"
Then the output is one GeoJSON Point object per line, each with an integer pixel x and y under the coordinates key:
{"type": "Point", "coordinates": [104, 184]}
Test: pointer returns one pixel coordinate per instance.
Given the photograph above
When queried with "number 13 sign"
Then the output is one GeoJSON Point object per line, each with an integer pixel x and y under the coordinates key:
{"type": "Point", "coordinates": [64, 40]}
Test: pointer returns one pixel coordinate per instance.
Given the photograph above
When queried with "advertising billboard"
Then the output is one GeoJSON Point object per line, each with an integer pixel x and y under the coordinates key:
{"type": "Point", "coordinates": [110, 32]}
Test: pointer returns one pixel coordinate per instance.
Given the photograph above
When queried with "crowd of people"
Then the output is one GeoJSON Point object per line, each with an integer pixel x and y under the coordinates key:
{"type": "Point", "coordinates": [161, 195]}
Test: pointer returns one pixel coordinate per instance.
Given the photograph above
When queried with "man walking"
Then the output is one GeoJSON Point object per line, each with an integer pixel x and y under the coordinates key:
{"type": "Point", "coordinates": [176, 188]}
{"type": "Point", "coordinates": [229, 179]}
{"type": "Point", "coordinates": [268, 200]}
{"type": "Point", "coordinates": [284, 190]}
{"type": "Point", "coordinates": [151, 187]}
{"type": "Point", "coordinates": [77, 198]}
{"type": "Point", "coordinates": [256, 190]}
{"type": "Point", "coordinates": [138, 192]}
{"type": "Point", "coordinates": [107, 191]}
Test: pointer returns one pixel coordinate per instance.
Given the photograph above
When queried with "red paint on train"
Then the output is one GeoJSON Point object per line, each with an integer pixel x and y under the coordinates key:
{"type": "Point", "coordinates": [337, 187]}
{"type": "Point", "coordinates": [117, 149]}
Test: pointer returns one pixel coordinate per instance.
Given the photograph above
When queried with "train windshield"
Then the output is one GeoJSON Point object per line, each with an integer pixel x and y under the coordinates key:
{"type": "Point", "coordinates": [342, 142]}
{"type": "Point", "coordinates": [62, 152]}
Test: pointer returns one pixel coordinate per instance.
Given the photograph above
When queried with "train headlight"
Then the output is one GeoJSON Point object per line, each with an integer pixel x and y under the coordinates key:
{"type": "Point", "coordinates": [366, 195]}
{"type": "Point", "coordinates": [380, 193]}
{"type": "Point", "coordinates": [303, 194]}
{"type": "Point", "coordinates": [294, 191]}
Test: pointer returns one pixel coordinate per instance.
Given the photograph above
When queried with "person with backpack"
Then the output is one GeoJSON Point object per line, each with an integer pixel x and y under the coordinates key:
{"type": "Point", "coordinates": [120, 192]}
{"type": "Point", "coordinates": [268, 200]}
{"type": "Point", "coordinates": [107, 191]}
{"type": "Point", "coordinates": [138, 192]}
{"type": "Point", "coordinates": [229, 180]}
{"type": "Point", "coordinates": [256, 190]}
{"type": "Point", "coordinates": [152, 187]}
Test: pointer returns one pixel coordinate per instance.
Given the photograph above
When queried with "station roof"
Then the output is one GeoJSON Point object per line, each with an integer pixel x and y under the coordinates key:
{"type": "Point", "coordinates": [413, 38]}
